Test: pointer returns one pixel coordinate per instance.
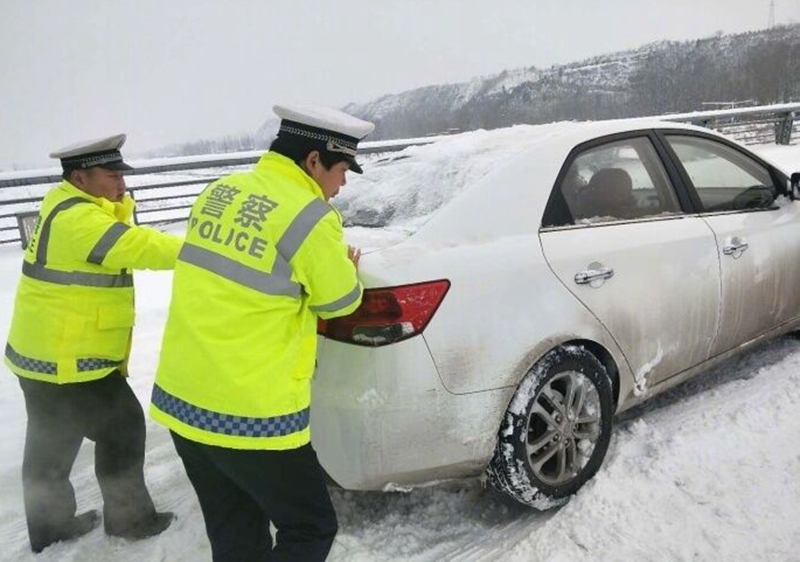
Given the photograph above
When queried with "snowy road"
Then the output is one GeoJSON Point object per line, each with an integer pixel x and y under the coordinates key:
{"type": "Point", "coordinates": [707, 471]}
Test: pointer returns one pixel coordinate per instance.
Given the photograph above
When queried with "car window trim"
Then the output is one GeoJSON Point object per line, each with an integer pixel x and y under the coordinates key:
{"type": "Point", "coordinates": [557, 205]}
{"type": "Point", "coordinates": [739, 211]}
{"type": "Point", "coordinates": [619, 222]}
{"type": "Point", "coordinates": [689, 200]}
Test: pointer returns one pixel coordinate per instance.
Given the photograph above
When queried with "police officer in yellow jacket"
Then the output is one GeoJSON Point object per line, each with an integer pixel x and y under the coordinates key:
{"type": "Point", "coordinates": [69, 343]}
{"type": "Point", "coordinates": [264, 257]}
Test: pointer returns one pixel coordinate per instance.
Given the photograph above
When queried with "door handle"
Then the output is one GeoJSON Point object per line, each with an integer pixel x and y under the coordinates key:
{"type": "Point", "coordinates": [595, 273]}
{"type": "Point", "coordinates": [735, 247]}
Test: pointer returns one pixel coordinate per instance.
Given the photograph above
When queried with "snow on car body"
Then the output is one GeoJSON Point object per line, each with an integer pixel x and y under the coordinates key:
{"type": "Point", "coordinates": [656, 294]}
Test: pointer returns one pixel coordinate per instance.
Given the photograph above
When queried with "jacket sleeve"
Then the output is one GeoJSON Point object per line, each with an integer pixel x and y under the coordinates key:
{"type": "Point", "coordinates": [326, 272]}
{"type": "Point", "coordinates": [97, 237]}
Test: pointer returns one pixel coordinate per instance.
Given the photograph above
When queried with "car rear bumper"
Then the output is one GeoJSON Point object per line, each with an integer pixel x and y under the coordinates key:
{"type": "Point", "coordinates": [381, 416]}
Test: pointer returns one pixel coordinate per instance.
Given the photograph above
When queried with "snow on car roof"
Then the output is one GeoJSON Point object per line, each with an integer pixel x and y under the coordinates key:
{"type": "Point", "coordinates": [512, 171]}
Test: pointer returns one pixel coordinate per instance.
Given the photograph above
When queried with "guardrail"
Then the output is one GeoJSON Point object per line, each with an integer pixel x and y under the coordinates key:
{"type": "Point", "coordinates": [165, 200]}
{"type": "Point", "coordinates": [752, 125]}
{"type": "Point", "coordinates": [157, 202]}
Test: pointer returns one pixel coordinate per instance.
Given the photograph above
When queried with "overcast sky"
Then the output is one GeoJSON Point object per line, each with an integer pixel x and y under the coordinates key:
{"type": "Point", "coordinates": [166, 71]}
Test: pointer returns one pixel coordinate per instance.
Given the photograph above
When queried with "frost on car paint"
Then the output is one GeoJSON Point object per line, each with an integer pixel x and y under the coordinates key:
{"type": "Point", "coordinates": [641, 375]}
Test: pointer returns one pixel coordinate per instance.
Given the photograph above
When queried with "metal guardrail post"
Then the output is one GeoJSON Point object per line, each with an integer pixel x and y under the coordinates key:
{"type": "Point", "coordinates": [135, 210]}
{"type": "Point", "coordinates": [783, 128]}
{"type": "Point", "coordinates": [26, 223]}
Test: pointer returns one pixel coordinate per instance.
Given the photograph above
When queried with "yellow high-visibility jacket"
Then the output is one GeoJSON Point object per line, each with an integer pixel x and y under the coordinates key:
{"type": "Point", "coordinates": [264, 256]}
{"type": "Point", "coordinates": [74, 312]}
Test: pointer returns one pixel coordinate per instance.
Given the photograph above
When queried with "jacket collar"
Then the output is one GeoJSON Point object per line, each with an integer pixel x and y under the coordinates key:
{"type": "Point", "coordinates": [72, 191]}
{"type": "Point", "coordinates": [278, 163]}
{"type": "Point", "coordinates": [122, 210]}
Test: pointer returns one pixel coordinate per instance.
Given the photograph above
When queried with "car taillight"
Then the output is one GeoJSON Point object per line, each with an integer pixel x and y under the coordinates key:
{"type": "Point", "coordinates": [388, 314]}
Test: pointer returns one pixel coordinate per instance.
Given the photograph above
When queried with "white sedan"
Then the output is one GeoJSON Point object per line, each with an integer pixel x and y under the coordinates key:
{"type": "Point", "coordinates": [603, 264]}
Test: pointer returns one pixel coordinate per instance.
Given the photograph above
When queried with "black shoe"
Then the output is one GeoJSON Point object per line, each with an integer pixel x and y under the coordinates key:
{"type": "Point", "coordinates": [79, 526]}
{"type": "Point", "coordinates": [150, 527]}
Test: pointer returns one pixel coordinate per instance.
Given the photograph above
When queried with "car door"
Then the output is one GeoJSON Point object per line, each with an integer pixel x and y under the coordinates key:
{"type": "Point", "coordinates": [758, 241]}
{"type": "Point", "coordinates": [617, 235]}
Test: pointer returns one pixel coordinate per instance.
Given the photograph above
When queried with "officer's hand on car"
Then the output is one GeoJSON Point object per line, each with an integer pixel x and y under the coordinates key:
{"type": "Point", "coordinates": [354, 254]}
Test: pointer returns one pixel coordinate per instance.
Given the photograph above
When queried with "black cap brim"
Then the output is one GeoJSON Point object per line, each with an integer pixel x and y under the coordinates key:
{"type": "Point", "coordinates": [354, 167]}
{"type": "Point", "coordinates": [117, 166]}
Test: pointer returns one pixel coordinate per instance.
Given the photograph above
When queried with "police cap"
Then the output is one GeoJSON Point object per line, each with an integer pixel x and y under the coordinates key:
{"type": "Point", "coordinates": [102, 152]}
{"type": "Point", "coordinates": [334, 130]}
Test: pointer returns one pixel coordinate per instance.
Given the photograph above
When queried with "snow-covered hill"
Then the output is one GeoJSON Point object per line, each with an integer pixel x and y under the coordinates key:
{"type": "Point", "coordinates": [658, 78]}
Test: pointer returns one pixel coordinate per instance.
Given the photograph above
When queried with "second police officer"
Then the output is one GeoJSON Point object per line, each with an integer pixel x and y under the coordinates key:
{"type": "Point", "coordinates": [264, 257]}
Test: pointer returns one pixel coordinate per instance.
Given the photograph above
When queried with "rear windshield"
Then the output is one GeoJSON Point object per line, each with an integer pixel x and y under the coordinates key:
{"type": "Point", "coordinates": [404, 189]}
{"type": "Point", "coordinates": [400, 190]}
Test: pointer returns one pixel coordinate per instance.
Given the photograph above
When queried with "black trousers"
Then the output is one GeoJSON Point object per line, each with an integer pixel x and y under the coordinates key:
{"type": "Point", "coordinates": [59, 417]}
{"type": "Point", "coordinates": [242, 491]}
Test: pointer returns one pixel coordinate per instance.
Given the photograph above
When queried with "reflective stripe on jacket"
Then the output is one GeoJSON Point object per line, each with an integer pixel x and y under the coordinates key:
{"type": "Point", "coordinates": [74, 312]}
{"type": "Point", "coordinates": [264, 256]}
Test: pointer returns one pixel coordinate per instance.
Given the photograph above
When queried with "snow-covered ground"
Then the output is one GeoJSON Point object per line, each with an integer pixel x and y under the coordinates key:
{"type": "Point", "coordinates": [707, 471]}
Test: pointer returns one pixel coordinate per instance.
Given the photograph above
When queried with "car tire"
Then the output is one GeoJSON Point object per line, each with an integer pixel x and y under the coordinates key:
{"type": "Point", "coordinates": [556, 431]}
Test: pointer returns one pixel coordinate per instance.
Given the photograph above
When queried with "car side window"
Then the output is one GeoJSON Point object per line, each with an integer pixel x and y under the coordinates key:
{"type": "Point", "coordinates": [621, 180]}
{"type": "Point", "coordinates": [724, 178]}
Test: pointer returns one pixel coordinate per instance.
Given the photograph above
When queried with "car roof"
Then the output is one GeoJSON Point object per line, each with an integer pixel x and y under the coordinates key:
{"type": "Point", "coordinates": [579, 132]}
{"type": "Point", "coordinates": [510, 200]}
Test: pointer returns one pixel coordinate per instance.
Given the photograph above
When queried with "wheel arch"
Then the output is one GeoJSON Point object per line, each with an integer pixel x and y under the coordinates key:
{"type": "Point", "coordinates": [605, 358]}
{"type": "Point", "coordinates": [597, 349]}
